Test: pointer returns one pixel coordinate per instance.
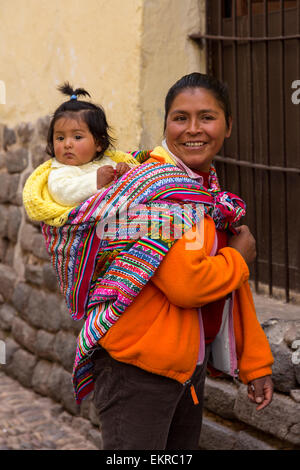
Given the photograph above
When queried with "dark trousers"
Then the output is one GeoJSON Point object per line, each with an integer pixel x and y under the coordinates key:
{"type": "Point", "coordinates": [143, 411]}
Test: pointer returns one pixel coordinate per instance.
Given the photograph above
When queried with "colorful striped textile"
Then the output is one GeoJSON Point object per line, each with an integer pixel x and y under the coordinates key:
{"type": "Point", "coordinates": [112, 244]}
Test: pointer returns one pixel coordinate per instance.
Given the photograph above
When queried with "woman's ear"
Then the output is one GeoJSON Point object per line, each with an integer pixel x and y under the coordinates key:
{"type": "Point", "coordinates": [229, 128]}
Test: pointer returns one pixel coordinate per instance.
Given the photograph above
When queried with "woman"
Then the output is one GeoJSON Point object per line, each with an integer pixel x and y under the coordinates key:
{"type": "Point", "coordinates": [149, 374]}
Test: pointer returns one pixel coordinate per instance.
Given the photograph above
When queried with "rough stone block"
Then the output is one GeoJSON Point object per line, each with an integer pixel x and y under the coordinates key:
{"type": "Point", "coordinates": [17, 160]}
{"type": "Point", "coordinates": [42, 126]}
{"type": "Point", "coordinates": [219, 397]}
{"type": "Point", "coordinates": [9, 137]}
{"type": "Point", "coordinates": [13, 223]}
{"type": "Point", "coordinates": [95, 437]}
{"type": "Point", "coordinates": [295, 395]}
{"type": "Point", "coordinates": [246, 441]}
{"type": "Point", "coordinates": [22, 367]}
{"type": "Point", "coordinates": [20, 297]}
{"type": "Point", "coordinates": [10, 348]}
{"type": "Point", "coordinates": [7, 315]}
{"type": "Point", "coordinates": [9, 255]}
{"type": "Point", "coordinates": [49, 277]}
{"type": "Point", "coordinates": [2, 126]}
{"type": "Point", "coordinates": [64, 348]}
{"type": "Point", "coordinates": [25, 131]}
{"type": "Point", "coordinates": [9, 185]}
{"type": "Point", "coordinates": [51, 313]}
{"type": "Point", "coordinates": [14, 193]}
{"type": "Point", "coordinates": [34, 274]}
{"type": "Point", "coordinates": [222, 436]}
{"type": "Point", "coordinates": [55, 380]}
{"type": "Point", "coordinates": [4, 187]}
{"type": "Point", "coordinates": [293, 332]}
{"type": "Point", "coordinates": [3, 249]}
{"type": "Point", "coordinates": [33, 301]}
{"type": "Point", "coordinates": [67, 393]}
{"type": "Point", "coordinates": [39, 155]}
{"type": "Point", "coordinates": [2, 160]}
{"type": "Point", "coordinates": [283, 371]}
{"type": "Point", "coordinates": [24, 334]}
{"type": "Point", "coordinates": [40, 378]}
{"type": "Point", "coordinates": [42, 310]}
{"type": "Point", "coordinates": [27, 236]}
{"type": "Point", "coordinates": [278, 419]}
{"type": "Point", "coordinates": [44, 345]}
{"type": "Point", "coordinates": [215, 436]}
{"type": "Point", "coordinates": [8, 280]}
{"type": "Point", "coordinates": [4, 220]}
{"type": "Point", "coordinates": [93, 414]}
{"type": "Point", "coordinates": [275, 330]}
{"type": "Point", "coordinates": [39, 247]}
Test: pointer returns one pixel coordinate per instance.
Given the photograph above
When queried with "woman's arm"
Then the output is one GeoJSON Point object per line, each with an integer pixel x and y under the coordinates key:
{"type": "Point", "coordinates": [191, 278]}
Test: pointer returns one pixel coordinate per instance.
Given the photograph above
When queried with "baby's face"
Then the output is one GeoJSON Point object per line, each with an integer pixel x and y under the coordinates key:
{"type": "Point", "coordinates": [73, 142]}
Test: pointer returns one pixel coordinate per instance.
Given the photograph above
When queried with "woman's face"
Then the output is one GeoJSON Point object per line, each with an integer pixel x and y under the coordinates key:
{"type": "Point", "coordinates": [196, 128]}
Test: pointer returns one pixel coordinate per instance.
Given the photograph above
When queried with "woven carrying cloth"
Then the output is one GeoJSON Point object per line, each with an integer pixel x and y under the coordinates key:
{"type": "Point", "coordinates": [111, 245]}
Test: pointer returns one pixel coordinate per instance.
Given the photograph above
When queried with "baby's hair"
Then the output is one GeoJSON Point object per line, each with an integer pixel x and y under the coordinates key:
{"type": "Point", "coordinates": [66, 89]}
{"type": "Point", "coordinates": [93, 115]}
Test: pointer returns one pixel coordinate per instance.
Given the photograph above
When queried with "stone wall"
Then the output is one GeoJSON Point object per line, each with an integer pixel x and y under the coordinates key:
{"type": "Point", "coordinates": [40, 336]}
{"type": "Point", "coordinates": [38, 333]}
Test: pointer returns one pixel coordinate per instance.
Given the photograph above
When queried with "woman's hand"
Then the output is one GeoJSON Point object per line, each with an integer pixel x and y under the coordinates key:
{"type": "Point", "coordinates": [261, 391]}
{"type": "Point", "coordinates": [105, 175]}
{"type": "Point", "coordinates": [244, 242]}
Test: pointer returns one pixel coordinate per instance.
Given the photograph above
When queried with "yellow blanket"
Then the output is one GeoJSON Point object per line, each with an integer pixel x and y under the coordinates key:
{"type": "Point", "coordinates": [39, 204]}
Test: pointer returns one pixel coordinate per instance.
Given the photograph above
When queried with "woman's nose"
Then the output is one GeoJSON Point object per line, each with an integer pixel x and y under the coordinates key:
{"type": "Point", "coordinates": [194, 126]}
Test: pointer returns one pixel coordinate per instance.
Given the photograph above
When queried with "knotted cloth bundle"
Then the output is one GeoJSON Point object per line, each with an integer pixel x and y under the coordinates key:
{"type": "Point", "coordinates": [102, 267]}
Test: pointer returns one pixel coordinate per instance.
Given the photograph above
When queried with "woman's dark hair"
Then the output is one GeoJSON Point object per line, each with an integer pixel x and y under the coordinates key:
{"type": "Point", "coordinates": [200, 80]}
{"type": "Point", "coordinates": [93, 115]}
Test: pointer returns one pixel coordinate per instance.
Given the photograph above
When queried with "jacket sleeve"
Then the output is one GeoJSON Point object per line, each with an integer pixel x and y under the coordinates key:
{"type": "Point", "coordinates": [252, 347]}
{"type": "Point", "coordinates": [191, 278]}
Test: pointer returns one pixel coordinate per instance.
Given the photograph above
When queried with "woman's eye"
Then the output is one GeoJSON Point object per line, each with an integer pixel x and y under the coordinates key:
{"type": "Point", "coordinates": [208, 118]}
{"type": "Point", "coordinates": [179, 118]}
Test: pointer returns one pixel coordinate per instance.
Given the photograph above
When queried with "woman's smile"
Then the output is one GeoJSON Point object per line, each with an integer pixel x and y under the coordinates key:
{"type": "Point", "coordinates": [196, 128]}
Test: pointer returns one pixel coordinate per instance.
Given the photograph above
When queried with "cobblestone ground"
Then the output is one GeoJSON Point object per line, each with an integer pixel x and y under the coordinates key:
{"type": "Point", "coordinates": [29, 421]}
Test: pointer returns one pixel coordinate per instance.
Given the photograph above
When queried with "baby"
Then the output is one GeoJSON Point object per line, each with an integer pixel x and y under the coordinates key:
{"type": "Point", "coordinates": [77, 140]}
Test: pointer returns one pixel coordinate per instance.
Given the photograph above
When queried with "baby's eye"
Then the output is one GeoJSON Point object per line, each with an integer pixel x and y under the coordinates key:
{"type": "Point", "coordinates": [59, 138]}
{"type": "Point", "coordinates": [78, 137]}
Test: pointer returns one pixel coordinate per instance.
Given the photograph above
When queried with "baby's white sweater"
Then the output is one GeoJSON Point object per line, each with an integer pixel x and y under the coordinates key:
{"type": "Point", "coordinates": [70, 185]}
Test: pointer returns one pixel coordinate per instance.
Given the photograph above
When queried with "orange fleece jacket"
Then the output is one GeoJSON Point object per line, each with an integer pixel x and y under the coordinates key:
{"type": "Point", "coordinates": [160, 331]}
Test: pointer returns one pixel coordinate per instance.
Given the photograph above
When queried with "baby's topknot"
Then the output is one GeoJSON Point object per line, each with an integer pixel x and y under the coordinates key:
{"type": "Point", "coordinates": [68, 90]}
